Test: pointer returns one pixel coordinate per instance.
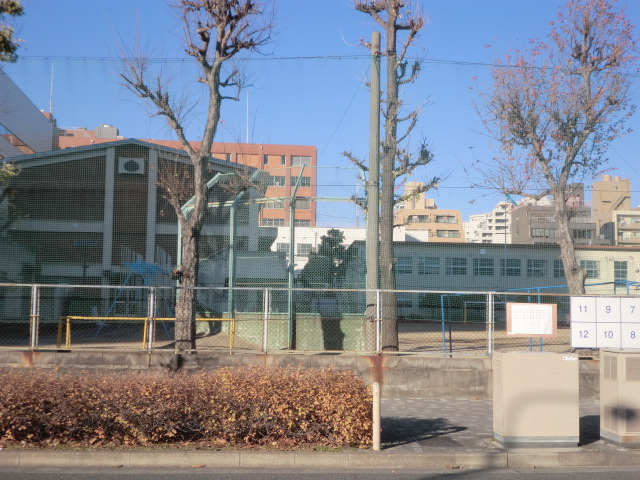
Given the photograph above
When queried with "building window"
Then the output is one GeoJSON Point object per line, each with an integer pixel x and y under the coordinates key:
{"type": "Point", "coordinates": [301, 222]}
{"type": "Point", "coordinates": [543, 233]}
{"type": "Point", "coordinates": [222, 156]}
{"type": "Point", "coordinates": [282, 247]}
{"type": "Point", "coordinates": [558, 269]}
{"type": "Point", "coordinates": [404, 300]}
{"type": "Point", "coordinates": [592, 267]}
{"type": "Point", "coordinates": [448, 233]}
{"type": "Point", "coordinates": [303, 204]}
{"type": "Point", "coordinates": [536, 268]}
{"type": "Point", "coordinates": [510, 267]}
{"type": "Point", "coordinates": [304, 181]}
{"type": "Point", "coordinates": [264, 244]}
{"type": "Point", "coordinates": [273, 204]}
{"type": "Point", "coordinates": [581, 233]}
{"type": "Point", "coordinates": [300, 160]}
{"type": "Point", "coordinates": [620, 271]}
{"type": "Point", "coordinates": [483, 267]}
{"type": "Point", "coordinates": [404, 265]}
{"type": "Point", "coordinates": [276, 181]}
{"type": "Point", "coordinates": [274, 159]}
{"type": "Point", "coordinates": [429, 266]}
{"type": "Point", "coordinates": [242, 243]}
{"type": "Point", "coordinates": [456, 266]}
{"type": "Point", "coordinates": [446, 219]}
{"type": "Point", "coordinates": [272, 222]}
{"type": "Point", "coordinates": [304, 249]}
{"type": "Point", "coordinates": [418, 219]}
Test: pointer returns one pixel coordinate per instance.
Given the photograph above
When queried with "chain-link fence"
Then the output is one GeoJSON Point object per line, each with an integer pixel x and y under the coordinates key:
{"type": "Point", "coordinates": [79, 317]}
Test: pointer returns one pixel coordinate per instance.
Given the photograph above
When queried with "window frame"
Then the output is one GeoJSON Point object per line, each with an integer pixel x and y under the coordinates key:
{"type": "Point", "coordinates": [456, 266]}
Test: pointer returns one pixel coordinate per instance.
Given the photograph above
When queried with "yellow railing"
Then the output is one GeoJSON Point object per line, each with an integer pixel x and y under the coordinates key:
{"type": "Point", "coordinates": [66, 322]}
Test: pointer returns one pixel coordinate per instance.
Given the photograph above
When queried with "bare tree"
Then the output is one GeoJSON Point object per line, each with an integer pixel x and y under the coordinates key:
{"type": "Point", "coordinates": [215, 32]}
{"type": "Point", "coordinates": [397, 159]}
{"type": "Point", "coordinates": [556, 107]}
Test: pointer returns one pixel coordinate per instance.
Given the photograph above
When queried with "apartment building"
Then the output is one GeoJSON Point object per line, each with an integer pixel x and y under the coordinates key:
{"type": "Point", "coordinates": [420, 213]}
{"type": "Point", "coordinates": [627, 227]}
{"type": "Point", "coordinates": [491, 227]}
{"type": "Point", "coordinates": [534, 222]}
{"type": "Point", "coordinates": [609, 195]}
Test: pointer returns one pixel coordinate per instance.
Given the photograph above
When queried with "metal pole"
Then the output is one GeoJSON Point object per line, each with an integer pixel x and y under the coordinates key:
{"type": "Point", "coordinates": [152, 318]}
{"type": "Point", "coordinates": [373, 192]}
{"type": "Point", "coordinates": [35, 315]}
{"type": "Point", "coordinates": [265, 329]}
{"type": "Point", "coordinates": [490, 323]}
{"type": "Point", "coordinates": [292, 236]}
{"type": "Point", "coordinates": [231, 260]}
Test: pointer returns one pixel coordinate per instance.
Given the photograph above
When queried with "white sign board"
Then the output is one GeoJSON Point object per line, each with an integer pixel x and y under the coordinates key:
{"type": "Point", "coordinates": [605, 322]}
{"type": "Point", "coordinates": [532, 319]}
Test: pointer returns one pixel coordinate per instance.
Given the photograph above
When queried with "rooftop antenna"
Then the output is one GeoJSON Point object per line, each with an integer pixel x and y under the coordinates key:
{"type": "Point", "coordinates": [247, 120]}
{"type": "Point", "coordinates": [51, 92]}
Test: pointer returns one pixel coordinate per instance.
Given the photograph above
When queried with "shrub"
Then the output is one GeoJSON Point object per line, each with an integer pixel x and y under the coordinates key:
{"type": "Point", "coordinates": [279, 407]}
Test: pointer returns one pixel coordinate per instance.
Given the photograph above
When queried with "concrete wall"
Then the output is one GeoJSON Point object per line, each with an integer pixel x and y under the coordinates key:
{"type": "Point", "coordinates": [400, 376]}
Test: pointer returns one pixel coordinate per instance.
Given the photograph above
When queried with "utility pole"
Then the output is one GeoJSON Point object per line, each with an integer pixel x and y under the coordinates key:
{"type": "Point", "coordinates": [373, 197]}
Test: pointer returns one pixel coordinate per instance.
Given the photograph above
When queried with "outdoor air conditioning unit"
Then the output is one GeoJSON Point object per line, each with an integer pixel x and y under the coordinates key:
{"type": "Point", "coordinates": [620, 397]}
{"type": "Point", "coordinates": [536, 399]}
{"type": "Point", "coordinates": [131, 165]}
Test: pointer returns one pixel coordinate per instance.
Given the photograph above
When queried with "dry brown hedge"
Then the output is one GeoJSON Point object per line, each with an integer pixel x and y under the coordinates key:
{"type": "Point", "coordinates": [280, 407]}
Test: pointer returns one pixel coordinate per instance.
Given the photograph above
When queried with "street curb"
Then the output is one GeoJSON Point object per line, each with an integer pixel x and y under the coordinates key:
{"type": "Point", "coordinates": [355, 460]}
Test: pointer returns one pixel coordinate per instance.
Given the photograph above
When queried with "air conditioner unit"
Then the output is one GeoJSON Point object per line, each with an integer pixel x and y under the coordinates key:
{"type": "Point", "coordinates": [536, 399]}
{"type": "Point", "coordinates": [131, 165]}
{"type": "Point", "coordinates": [620, 397]}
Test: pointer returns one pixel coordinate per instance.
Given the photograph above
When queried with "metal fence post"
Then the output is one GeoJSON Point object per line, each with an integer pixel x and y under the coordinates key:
{"type": "Point", "coordinates": [490, 323]}
{"type": "Point", "coordinates": [34, 315]}
{"type": "Point", "coordinates": [378, 323]}
{"type": "Point", "coordinates": [151, 312]}
{"type": "Point", "coordinates": [265, 313]}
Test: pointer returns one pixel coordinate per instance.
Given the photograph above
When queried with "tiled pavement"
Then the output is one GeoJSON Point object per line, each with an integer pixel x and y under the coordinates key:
{"type": "Point", "coordinates": [423, 425]}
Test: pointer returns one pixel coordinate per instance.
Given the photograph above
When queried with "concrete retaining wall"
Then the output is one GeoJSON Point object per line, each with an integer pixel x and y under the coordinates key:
{"type": "Point", "coordinates": [400, 376]}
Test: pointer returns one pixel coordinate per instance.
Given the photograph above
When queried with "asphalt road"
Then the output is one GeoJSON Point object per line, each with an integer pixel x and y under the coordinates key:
{"type": "Point", "coordinates": [600, 473]}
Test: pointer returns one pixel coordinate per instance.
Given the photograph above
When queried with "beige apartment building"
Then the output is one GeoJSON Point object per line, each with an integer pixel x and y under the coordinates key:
{"type": "Point", "coordinates": [421, 214]}
{"type": "Point", "coordinates": [609, 195]}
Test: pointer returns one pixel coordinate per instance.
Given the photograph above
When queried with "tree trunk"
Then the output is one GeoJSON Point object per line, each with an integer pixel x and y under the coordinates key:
{"type": "Point", "coordinates": [185, 306]}
{"type": "Point", "coordinates": [573, 272]}
{"type": "Point", "coordinates": [389, 315]}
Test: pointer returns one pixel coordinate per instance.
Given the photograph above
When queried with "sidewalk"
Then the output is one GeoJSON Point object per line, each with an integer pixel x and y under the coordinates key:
{"type": "Point", "coordinates": [416, 433]}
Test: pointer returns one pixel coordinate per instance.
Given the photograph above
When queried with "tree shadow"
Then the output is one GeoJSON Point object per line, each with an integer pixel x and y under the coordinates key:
{"type": "Point", "coordinates": [398, 431]}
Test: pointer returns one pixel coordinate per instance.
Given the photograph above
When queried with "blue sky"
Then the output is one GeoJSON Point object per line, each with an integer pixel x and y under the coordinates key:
{"type": "Point", "coordinates": [307, 90]}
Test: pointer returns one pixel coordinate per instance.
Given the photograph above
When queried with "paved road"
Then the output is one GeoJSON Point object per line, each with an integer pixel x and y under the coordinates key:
{"type": "Point", "coordinates": [617, 473]}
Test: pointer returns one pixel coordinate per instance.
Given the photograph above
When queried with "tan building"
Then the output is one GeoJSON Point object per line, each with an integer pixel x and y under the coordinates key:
{"type": "Point", "coordinates": [627, 227]}
{"type": "Point", "coordinates": [420, 213]}
{"type": "Point", "coordinates": [608, 196]}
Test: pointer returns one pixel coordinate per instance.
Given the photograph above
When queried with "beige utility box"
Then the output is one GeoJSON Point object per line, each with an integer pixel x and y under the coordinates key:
{"type": "Point", "coordinates": [536, 399]}
{"type": "Point", "coordinates": [620, 397]}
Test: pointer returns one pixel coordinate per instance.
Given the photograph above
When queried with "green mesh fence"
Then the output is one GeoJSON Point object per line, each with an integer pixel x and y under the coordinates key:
{"type": "Point", "coordinates": [283, 245]}
{"type": "Point", "coordinates": [80, 317]}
